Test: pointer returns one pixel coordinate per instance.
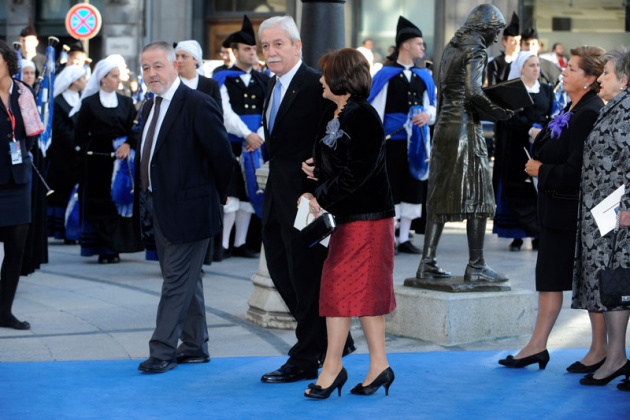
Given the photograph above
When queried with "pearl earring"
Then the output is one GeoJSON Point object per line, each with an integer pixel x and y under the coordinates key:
{"type": "Point", "coordinates": [585, 87]}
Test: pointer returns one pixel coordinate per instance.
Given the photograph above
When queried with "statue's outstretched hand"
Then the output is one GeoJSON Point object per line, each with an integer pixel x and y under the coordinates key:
{"type": "Point", "coordinates": [507, 114]}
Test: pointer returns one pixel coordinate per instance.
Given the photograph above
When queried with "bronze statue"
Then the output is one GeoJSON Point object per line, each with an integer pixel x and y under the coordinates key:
{"type": "Point", "coordinates": [460, 183]}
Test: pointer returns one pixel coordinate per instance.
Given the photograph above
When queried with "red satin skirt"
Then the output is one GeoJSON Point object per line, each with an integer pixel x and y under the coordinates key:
{"type": "Point", "coordinates": [358, 275]}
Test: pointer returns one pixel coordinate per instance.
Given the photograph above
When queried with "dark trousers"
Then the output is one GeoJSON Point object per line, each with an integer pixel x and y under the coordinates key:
{"type": "Point", "coordinates": [14, 238]}
{"type": "Point", "coordinates": [181, 312]}
{"type": "Point", "coordinates": [296, 272]}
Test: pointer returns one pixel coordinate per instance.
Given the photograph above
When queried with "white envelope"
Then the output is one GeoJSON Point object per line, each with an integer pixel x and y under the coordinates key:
{"type": "Point", "coordinates": [605, 213]}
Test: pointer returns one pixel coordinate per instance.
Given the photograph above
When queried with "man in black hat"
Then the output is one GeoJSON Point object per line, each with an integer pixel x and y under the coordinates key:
{"type": "Point", "coordinates": [499, 67]}
{"type": "Point", "coordinates": [396, 88]}
{"type": "Point", "coordinates": [549, 72]}
{"type": "Point", "coordinates": [29, 41]}
{"type": "Point", "coordinates": [243, 92]}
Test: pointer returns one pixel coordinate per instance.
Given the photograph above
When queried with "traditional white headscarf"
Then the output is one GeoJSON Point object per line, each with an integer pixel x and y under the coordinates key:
{"type": "Point", "coordinates": [67, 77]}
{"type": "Point", "coordinates": [518, 63]}
{"type": "Point", "coordinates": [193, 48]}
{"type": "Point", "coordinates": [101, 70]}
{"type": "Point", "coordinates": [27, 63]}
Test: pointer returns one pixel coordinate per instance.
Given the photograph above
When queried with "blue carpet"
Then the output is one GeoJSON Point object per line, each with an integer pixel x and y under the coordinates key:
{"type": "Point", "coordinates": [436, 385]}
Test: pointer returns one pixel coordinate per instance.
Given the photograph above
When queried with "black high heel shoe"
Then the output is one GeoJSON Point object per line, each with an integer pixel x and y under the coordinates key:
{"type": "Point", "coordinates": [624, 385]}
{"type": "Point", "coordinates": [590, 380]}
{"type": "Point", "coordinates": [320, 393]}
{"type": "Point", "coordinates": [541, 358]}
{"type": "Point", "coordinates": [385, 378]}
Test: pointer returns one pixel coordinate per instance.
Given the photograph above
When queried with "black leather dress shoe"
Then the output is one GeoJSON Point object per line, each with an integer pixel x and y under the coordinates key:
{"type": "Point", "coordinates": [184, 358]}
{"type": "Point", "coordinates": [516, 245]}
{"type": "Point", "coordinates": [244, 252]}
{"type": "Point", "coordinates": [14, 323]}
{"type": "Point", "coordinates": [155, 365]}
{"type": "Point", "coordinates": [408, 248]}
{"type": "Point", "coordinates": [288, 373]}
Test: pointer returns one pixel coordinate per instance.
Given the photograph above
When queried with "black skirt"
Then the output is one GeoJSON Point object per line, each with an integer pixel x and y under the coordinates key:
{"type": "Point", "coordinates": [15, 204]}
{"type": "Point", "coordinates": [554, 266]}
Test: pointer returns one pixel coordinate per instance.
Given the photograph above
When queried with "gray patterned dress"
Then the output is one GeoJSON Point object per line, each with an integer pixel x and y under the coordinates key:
{"type": "Point", "coordinates": [606, 167]}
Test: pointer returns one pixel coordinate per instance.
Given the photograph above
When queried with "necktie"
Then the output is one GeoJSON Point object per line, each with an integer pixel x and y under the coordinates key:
{"type": "Point", "coordinates": [148, 144]}
{"type": "Point", "coordinates": [275, 104]}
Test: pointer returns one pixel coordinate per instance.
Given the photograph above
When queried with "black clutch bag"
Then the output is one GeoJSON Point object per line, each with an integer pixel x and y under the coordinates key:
{"type": "Point", "coordinates": [318, 229]}
{"type": "Point", "coordinates": [614, 283]}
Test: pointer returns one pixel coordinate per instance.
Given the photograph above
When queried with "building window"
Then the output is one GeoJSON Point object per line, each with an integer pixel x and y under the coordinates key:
{"type": "Point", "coordinates": [251, 6]}
{"type": "Point", "coordinates": [57, 9]}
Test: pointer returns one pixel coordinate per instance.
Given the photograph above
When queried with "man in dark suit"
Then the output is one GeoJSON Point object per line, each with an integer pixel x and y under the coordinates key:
{"type": "Point", "coordinates": [190, 69]}
{"type": "Point", "coordinates": [185, 169]}
{"type": "Point", "coordinates": [295, 97]}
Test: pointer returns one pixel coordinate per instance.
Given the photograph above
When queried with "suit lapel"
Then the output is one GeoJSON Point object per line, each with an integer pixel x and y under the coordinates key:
{"type": "Point", "coordinates": [289, 96]}
{"type": "Point", "coordinates": [171, 114]}
{"type": "Point", "coordinates": [292, 91]}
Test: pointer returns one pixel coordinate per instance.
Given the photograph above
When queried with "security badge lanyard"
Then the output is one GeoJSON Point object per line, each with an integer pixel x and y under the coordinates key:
{"type": "Point", "coordinates": [16, 152]}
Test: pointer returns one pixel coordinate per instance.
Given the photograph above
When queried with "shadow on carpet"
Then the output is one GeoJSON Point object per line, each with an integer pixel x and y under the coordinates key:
{"type": "Point", "coordinates": [428, 385]}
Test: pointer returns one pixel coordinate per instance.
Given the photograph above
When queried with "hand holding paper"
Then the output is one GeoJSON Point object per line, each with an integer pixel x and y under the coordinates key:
{"type": "Point", "coordinates": [303, 218]}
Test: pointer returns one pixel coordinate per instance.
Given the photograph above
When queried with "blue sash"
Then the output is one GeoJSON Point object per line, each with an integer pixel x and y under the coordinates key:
{"type": "Point", "coordinates": [122, 181]}
{"type": "Point", "coordinates": [394, 125]}
{"type": "Point", "coordinates": [224, 74]}
{"type": "Point", "coordinates": [419, 147]}
{"type": "Point", "coordinates": [385, 74]}
{"type": "Point", "coordinates": [250, 161]}
{"type": "Point", "coordinates": [72, 224]}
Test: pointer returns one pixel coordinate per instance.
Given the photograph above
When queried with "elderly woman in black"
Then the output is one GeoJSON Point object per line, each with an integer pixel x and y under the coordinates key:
{"type": "Point", "coordinates": [606, 168]}
{"type": "Point", "coordinates": [557, 164]}
{"type": "Point", "coordinates": [357, 279]}
{"type": "Point", "coordinates": [19, 124]}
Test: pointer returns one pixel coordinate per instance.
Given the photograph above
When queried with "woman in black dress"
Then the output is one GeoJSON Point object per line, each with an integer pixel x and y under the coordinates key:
{"type": "Point", "coordinates": [62, 153]}
{"type": "Point", "coordinates": [103, 116]}
{"type": "Point", "coordinates": [19, 126]}
{"type": "Point", "coordinates": [557, 164]}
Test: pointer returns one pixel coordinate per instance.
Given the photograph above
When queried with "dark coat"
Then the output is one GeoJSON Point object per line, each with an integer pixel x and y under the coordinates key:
{"type": "Point", "coordinates": [211, 88]}
{"type": "Point", "coordinates": [353, 182]}
{"type": "Point", "coordinates": [62, 155]}
{"type": "Point", "coordinates": [559, 175]}
{"type": "Point", "coordinates": [299, 113]}
{"type": "Point", "coordinates": [191, 167]}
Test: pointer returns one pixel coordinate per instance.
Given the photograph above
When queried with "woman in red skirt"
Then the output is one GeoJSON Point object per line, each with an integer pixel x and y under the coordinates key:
{"type": "Point", "coordinates": [352, 184]}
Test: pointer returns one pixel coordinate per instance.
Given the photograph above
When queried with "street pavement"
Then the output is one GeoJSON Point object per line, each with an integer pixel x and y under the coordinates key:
{"type": "Point", "coordinates": [82, 310]}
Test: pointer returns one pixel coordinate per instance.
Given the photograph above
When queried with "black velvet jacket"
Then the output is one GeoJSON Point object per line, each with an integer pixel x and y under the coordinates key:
{"type": "Point", "coordinates": [350, 166]}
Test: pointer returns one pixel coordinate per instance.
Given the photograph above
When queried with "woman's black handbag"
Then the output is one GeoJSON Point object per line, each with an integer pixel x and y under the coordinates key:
{"type": "Point", "coordinates": [318, 229]}
{"type": "Point", "coordinates": [614, 283]}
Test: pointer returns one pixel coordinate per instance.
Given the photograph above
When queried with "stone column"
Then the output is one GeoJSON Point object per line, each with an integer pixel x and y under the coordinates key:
{"type": "Point", "coordinates": [322, 28]}
{"type": "Point", "coordinates": [266, 307]}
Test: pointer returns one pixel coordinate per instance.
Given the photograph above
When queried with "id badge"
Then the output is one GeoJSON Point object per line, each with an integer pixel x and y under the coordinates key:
{"type": "Point", "coordinates": [16, 152]}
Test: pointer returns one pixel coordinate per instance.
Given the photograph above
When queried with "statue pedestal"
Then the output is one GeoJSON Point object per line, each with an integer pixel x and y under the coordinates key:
{"type": "Point", "coordinates": [456, 318]}
{"type": "Point", "coordinates": [266, 307]}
